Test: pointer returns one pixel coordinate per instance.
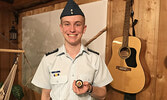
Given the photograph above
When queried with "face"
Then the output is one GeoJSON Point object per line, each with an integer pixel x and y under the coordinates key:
{"type": "Point", "coordinates": [72, 28]}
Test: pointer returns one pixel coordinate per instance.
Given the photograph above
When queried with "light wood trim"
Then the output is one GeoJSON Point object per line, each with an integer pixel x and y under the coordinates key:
{"type": "Point", "coordinates": [12, 50]}
{"type": "Point", "coordinates": [108, 33]}
{"type": "Point", "coordinates": [96, 36]}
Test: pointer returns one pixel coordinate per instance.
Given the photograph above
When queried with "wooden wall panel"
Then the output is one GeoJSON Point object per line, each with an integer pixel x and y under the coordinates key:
{"type": "Point", "coordinates": [161, 81]}
{"type": "Point", "coordinates": [4, 28]}
{"type": "Point", "coordinates": [147, 13]}
{"type": "Point", "coordinates": [6, 59]}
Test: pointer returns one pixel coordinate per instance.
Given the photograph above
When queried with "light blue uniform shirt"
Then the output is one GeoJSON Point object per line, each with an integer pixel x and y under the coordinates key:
{"type": "Point", "coordinates": [58, 70]}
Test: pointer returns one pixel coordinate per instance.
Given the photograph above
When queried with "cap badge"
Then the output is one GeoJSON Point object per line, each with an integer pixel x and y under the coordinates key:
{"type": "Point", "coordinates": [72, 12]}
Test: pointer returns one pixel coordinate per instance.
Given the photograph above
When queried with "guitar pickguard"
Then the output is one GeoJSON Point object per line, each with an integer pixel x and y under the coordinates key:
{"type": "Point", "coordinates": [131, 60]}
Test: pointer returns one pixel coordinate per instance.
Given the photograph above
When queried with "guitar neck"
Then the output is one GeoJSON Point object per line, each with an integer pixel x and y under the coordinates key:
{"type": "Point", "coordinates": [126, 23]}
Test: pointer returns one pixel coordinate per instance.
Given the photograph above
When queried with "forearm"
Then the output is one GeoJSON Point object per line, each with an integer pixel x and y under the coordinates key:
{"type": "Point", "coordinates": [99, 93]}
{"type": "Point", "coordinates": [45, 94]}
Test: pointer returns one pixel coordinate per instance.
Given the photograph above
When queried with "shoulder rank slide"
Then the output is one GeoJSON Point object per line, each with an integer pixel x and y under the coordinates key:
{"type": "Point", "coordinates": [52, 52]}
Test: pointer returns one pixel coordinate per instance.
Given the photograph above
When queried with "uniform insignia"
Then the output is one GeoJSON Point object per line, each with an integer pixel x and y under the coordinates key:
{"type": "Point", "coordinates": [72, 12]}
{"type": "Point", "coordinates": [93, 51]}
{"type": "Point", "coordinates": [55, 73]}
{"type": "Point", "coordinates": [52, 52]}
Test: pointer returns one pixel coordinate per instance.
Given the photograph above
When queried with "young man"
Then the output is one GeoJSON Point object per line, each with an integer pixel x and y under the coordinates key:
{"type": "Point", "coordinates": [72, 72]}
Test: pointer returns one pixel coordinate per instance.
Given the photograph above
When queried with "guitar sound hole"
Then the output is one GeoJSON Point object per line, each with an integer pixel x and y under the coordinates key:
{"type": "Point", "coordinates": [124, 52]}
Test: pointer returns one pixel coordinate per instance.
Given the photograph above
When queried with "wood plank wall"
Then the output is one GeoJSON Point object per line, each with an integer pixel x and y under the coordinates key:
{"type": "Point", "coordinates": [161, 65]}
{"type": "Point", "coordinates": [6, 59]}
{"type": "Point", "coordinates": [151, 27]}
{"type": "Point", "coordinates": [3, 44]}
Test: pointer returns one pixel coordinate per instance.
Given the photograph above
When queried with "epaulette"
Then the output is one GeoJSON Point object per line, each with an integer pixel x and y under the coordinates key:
{"type": "Point", "coordinates": [93, 51]}
{"type": "Point", "coordinates": [52, 52]}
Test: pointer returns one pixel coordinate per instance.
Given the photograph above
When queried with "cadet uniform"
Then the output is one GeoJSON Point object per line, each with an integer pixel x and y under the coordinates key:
{"type": "Point", "coordinates": [58, 70]}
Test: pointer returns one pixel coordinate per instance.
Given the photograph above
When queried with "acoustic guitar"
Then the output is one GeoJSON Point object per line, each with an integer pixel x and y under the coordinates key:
{"type": "Point", "coordinates": [124, 65]}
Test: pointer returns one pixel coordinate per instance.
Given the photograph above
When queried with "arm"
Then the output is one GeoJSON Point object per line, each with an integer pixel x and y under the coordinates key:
{"type": "Point", "coordinates": [45, 94]}
{"type": "Point", "coordinates": [97, 92]}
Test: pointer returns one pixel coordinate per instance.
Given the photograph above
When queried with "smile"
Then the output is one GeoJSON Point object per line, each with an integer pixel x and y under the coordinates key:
{"type": "Point", "coordinates": [72, 35]}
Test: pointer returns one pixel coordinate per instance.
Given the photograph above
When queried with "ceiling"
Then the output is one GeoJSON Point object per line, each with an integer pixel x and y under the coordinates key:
{"type": "Point", "coordinates": [23, 5]}
{"type": "Point", "coordinates": [8, 1]}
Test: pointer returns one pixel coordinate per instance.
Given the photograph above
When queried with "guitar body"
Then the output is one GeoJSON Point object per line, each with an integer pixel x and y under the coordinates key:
{"type": "Point", "coordinates": [125, 66]}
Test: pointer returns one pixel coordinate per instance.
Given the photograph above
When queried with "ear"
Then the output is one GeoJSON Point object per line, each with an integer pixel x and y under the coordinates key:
{"type": "Point", "coordinates": [61, 27]}
{"type": "Point", "coordinates": [84, 30]}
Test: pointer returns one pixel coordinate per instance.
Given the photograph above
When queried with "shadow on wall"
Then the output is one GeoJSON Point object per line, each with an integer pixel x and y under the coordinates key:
{"type": "Point", "coordinates": [37, 40]}
{"type": "Point", "coordinates": [165, 62]}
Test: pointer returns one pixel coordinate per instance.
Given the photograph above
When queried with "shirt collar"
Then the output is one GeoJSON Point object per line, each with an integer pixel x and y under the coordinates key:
{"type": "Point", "coordinates": [83, 49]}
{"type": "Point", "coordinates": [62, 50]}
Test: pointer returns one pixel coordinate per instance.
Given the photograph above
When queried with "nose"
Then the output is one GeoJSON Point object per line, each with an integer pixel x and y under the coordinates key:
{"type": "Point", "coordinates": [72, 29]}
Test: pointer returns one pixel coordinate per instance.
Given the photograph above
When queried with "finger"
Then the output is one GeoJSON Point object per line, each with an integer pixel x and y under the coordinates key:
{"type": "Point", "coordinates": [86, 83]}
{"type": "Point", "coordinates": [74, 87]}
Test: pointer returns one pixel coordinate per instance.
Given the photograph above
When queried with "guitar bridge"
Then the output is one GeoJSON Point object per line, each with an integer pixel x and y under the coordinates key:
{"type": "Point", "coordinates": [123, 68]}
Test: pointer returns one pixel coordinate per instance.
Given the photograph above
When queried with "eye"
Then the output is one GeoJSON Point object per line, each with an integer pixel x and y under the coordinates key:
{"type": "Point", "coordinates": [78, 24]}
{"type": "Point", "coordinates": [66, 24]}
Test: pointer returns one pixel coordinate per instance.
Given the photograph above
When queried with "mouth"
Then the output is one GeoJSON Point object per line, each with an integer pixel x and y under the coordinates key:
{"type": "Point", "coordinates": [72, 35]}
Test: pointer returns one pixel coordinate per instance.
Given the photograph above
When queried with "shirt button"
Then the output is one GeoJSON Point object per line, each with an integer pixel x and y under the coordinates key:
{"type": "Point", "coordinates": [72, 75]}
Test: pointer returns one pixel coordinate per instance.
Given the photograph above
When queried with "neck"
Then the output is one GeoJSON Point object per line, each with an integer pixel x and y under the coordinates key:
{"type": "Point", "coordinates": [72, 50]}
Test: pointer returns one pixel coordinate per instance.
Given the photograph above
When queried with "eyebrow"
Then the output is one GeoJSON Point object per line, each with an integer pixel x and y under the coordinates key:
{"type": "Point", "coordinates": [69, 22]}
{"type": "Point", "coordinates": [65, 22]}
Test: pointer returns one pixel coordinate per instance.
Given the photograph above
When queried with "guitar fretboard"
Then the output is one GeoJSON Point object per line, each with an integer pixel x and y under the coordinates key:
{"type": "Point", "coordinates": [126, 23]}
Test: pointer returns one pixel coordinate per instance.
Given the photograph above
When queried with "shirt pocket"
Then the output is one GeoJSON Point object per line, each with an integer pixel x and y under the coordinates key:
{"type": "Point", "coordinates": [58, 80]}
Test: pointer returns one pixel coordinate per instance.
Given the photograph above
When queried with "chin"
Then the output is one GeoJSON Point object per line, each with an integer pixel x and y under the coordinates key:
{"type": "Point", "coordinates": [74, 43]}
